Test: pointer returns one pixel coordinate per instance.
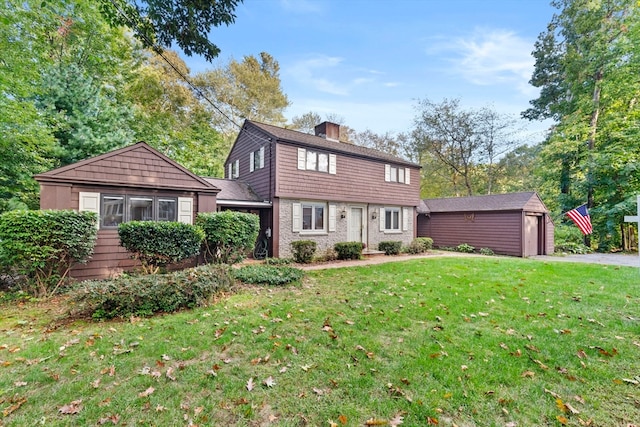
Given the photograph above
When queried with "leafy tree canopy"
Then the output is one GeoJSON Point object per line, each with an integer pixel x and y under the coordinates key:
{"type": "Point", "coordinates": [161, 22]}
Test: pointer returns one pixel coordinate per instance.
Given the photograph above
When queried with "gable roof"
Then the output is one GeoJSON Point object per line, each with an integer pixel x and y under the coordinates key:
{"type": "Point", "coordinates": [137, 165]}
{"type": "Point", "coordinates": [529, 200]}
{"type": "Point", "coordinates": [305, 139]}
{"type": "Point", "coordinates": [234, 192]}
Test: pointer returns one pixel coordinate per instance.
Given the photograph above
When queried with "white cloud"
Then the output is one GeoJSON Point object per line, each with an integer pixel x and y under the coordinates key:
{"type": "Point", "coordinates": [493, 57]}
{"type": "Point", "coordinates": [312, 73]}
{"type": "Point", "coordinates": [301, 6]}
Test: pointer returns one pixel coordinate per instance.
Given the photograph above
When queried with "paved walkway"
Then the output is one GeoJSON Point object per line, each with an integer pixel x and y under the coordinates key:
{"type": "Point", "coordinates": [611, 259]}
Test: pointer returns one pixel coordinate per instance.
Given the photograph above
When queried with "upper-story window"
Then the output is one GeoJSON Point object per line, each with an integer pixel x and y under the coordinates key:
{"type": "Point", "coordinates": [314, 160]}
{"type": "Point", "coordinates": [256, 159]}
{"type": "Point", "coordinates": [233, 169]}
{"type": "Point", "coordinates": [117, 209]}
{"type": "Point", "coordinates": [397, 174]}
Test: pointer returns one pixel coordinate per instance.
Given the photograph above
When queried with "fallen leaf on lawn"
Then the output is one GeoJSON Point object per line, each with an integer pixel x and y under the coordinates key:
{"type": "Point", "coordinates": [283, 370]}
{"type": "Point", "coordinates": [635, 381]}
{"type": "Point", "coordinates": [432, 421]}
{"type": "Point", "coordinates": [375, 422]}
{"type": "Point", "coordinates": [169, 374]}
{"type": "Point", "coordinates": [250, 385]}
{"type": "Point", "coordinates": [342, 419]}
{"type": "Point", "coordinates": [396, 421]}
{"type": "Point", "coordinates": [71, 408]}
{"type": "Point", "coordinates": [332, 423]}
{"type": "Point", "coordinates": [318, 391]}
{"type": "Point", "coordinates": [20, 383]}
{"type": "Point", "coordinates": [555, 395]}
{"type": "Point", "coordinates": [542, 365]}
{"type": "Point", "coordinates": [269, 382]}
{"type": "Point", "coordinates": [147, 392]}
{"type": "Point", "coordinates": [114, 419]}
{"type": "Point", "coordinates": [160, 408]}
{"type": "Point", "coordinates": [581, 354]}
{"type": "Point", "coordinates": [528, 374]}
{"type": "Point", "coordinates": [16, 403]}
{"type": "Point", "coordinates": [562, 420]}
{"type": "Point", "coordinates": [96, 383]}
{"type": "Point", "coordinates": [578, 399]}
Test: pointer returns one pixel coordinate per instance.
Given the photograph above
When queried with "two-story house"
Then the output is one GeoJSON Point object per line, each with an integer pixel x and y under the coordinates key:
{"type": "Point", "coordinates": [321, 189]}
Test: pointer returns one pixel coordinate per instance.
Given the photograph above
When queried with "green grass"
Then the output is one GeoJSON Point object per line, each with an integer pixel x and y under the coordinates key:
{"type": "Point", "coordinates": [455, 341]}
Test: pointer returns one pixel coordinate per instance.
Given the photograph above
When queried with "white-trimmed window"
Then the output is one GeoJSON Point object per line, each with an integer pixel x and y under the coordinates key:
{"type": "Point", "coordinates": [256, 159]}
{"type": "Point", "coordinates": [312, 160]}
{"type": "Point", "coordinates": [394, 219]}
{"type": "Point", "coordinates": [397, 174]}
{"type": "Point", "coordinates": [310, 217]}
{"type": "Point", "coordinates": [117, 208]}
{"type": "Point", "coordinates": [233, 169]}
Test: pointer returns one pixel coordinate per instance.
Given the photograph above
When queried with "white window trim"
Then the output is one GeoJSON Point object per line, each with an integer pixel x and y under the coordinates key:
{"type": "Point", "coordinates": [296, 217]}
{"type": "Point", "coordinates": [383, 225]}
{"type": "Point", "coordinates": [390, 176]}
{"type": "Point", "coordinates": [302, 161]}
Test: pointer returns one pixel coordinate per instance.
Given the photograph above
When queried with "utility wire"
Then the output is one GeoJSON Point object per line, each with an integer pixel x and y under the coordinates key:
{"type": "Point", "coordinates": [158, 50]}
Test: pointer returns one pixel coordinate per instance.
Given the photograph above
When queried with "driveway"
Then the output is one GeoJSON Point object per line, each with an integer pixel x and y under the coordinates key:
{"type": "Point", "coordinates": [595, 258]}
{"type": "Point", "coordinates": [611, 259]}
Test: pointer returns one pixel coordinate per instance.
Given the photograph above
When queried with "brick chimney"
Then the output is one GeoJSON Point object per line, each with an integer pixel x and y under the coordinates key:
{"type": "Point", "coordinates": [329, 131]}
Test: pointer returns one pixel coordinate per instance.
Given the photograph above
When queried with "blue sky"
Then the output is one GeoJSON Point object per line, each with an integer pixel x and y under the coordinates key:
{"type": "Point", "coordinates": [369, 61]}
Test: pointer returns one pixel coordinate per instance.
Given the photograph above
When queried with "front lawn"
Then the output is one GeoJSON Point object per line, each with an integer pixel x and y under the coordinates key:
{"type": "Point", "coordinates": [433, 341]}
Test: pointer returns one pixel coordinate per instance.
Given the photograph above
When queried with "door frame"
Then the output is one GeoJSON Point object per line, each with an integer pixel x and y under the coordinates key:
{"type": "Point", "coordinates": [364, 232]}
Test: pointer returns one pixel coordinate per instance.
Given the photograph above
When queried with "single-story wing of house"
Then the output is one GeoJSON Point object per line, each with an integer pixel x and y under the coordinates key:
{"type": "Point", "coordinates": [516, 224]}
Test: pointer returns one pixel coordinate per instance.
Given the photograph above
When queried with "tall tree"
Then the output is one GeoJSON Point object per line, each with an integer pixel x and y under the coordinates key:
{"type": "Point", "coordinates": [587, 64]}
{"type": "Point", "coordinates": [159, 23]}
{"type": "Point", "coordinates": [171, 118]}
{"type": "Point", "coordinates": [250, 89]}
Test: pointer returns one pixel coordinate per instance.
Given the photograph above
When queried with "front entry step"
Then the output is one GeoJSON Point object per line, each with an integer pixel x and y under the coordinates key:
{"type": "Point", "coordinates": [371, 253]}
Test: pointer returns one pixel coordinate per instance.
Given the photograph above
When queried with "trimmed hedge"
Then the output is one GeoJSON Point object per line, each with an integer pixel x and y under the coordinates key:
{"type": "Point", "coordinates": [149, 294]}
{"type": "Point", "coordinates": [390, 247]}
{"type": "Point", "coordinates": [303, 251]}
{"type": "Point", "coordinates": [159, 243]}
{"type": "Point", "coordinates": [42, 246]}
{"type": "Point", "coordinates": [349, 250]}
{"type": "Point", "coordinates": [229, 235]}
{"type": "Point", "coordinates": [268, 274]}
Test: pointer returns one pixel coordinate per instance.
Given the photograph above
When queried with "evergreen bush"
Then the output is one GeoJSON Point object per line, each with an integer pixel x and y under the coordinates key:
{"type": "Point", "coordinates": [159, 243]}
{"type": "Point", "coordinates": [349, 250]}
{"type": "Point", "coordinates": [465, 248]}
{"type": "Point", "coordinates": [40, 247]}
{"type": "Point", "coordinates": [229, 235]}
{"type": "Point", "coordinates": [303, 251]}
{"type": "Point", "coordinates": [419, 245]}
{"type": "Point", "coordinates": [268, 274]}
{"type": "Point", "coordinates": [390, 247]}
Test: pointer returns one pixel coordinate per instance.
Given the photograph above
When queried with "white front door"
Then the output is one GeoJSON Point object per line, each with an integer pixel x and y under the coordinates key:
{"type": "Point", "coordinates": [355, 225]}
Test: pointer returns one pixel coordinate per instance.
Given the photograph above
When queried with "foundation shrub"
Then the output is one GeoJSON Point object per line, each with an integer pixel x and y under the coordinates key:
{"type": "Point", "coordinates": [229, 235]}
{"type": "Point", "coordinates": [157, 244]}
{"type": "Point", "coordinates": [348, 250]}
{"type": "Point", "coordinates": [390, 247]}
{"type": "Point", "coordinates": [419, 245]}
{"type": "Point", "coordinates": [303, 251]}
{"type": "Point", "coordinates": [38, 248]}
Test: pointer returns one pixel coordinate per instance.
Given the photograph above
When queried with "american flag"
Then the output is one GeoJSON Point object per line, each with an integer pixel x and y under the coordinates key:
{"type": "Point", "coordinates": [580, 216]}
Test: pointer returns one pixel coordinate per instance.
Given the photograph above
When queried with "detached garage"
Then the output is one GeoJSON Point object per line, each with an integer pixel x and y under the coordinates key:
{"type": "Point", "coordinates": [516, 224]}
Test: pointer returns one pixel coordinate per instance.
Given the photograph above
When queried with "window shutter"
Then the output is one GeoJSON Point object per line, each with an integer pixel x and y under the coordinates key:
{"type": "Point", "coordinates": [407, 176]}
{"type": "Point", "coordinates": [332, 164]}
{"type": "Point", "coordinates": [252, 156]}
{"type": "Point", "coordinates": [405, 219]}
{"type": "Point", "coordinates": [302, 158]}
{"type": "Point", "coordinates": [237, 174]}
{"type": "Point", "coordinates": [296, 217]}
{"type": "Point", "coordinates": [229, 169]}
{"type": "Point", "coordinates": [185, 210]}
{"type": "Point", "coordinates": [387, 173]}
{"type": "Point", "coordinates": [332, 217]}
{"type": "Point", "coordinates": [261, 157]}
{"type": "Point", "coordinates": [89, 202]}
{"type": "Point", "coordinates": [381, 219]}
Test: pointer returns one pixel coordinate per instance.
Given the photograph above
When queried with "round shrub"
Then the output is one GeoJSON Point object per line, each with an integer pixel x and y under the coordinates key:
{"type": "Point", "coordinates": [303, 251]}
{"type": "Point", "coordinates": [420, 245]}
{"type": "Point", "coordinates": [229, 235]}
{"type": "Point", "coordinates": [159, 243]}
{"type": "Point", "coordinates": [465, 248]}
{"type": "Point", "coordinates": [390, 247]}
{"type": "Point", "coordinates": [349, 250]}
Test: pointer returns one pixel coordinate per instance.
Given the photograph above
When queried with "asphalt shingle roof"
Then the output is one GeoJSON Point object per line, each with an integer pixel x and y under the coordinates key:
{"type": "Point", "coordinates": [294, 136]}
{"type": "Point", "coordinates": [233, 190]}
{"type": "Point", "coordinates": [493, 202]}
